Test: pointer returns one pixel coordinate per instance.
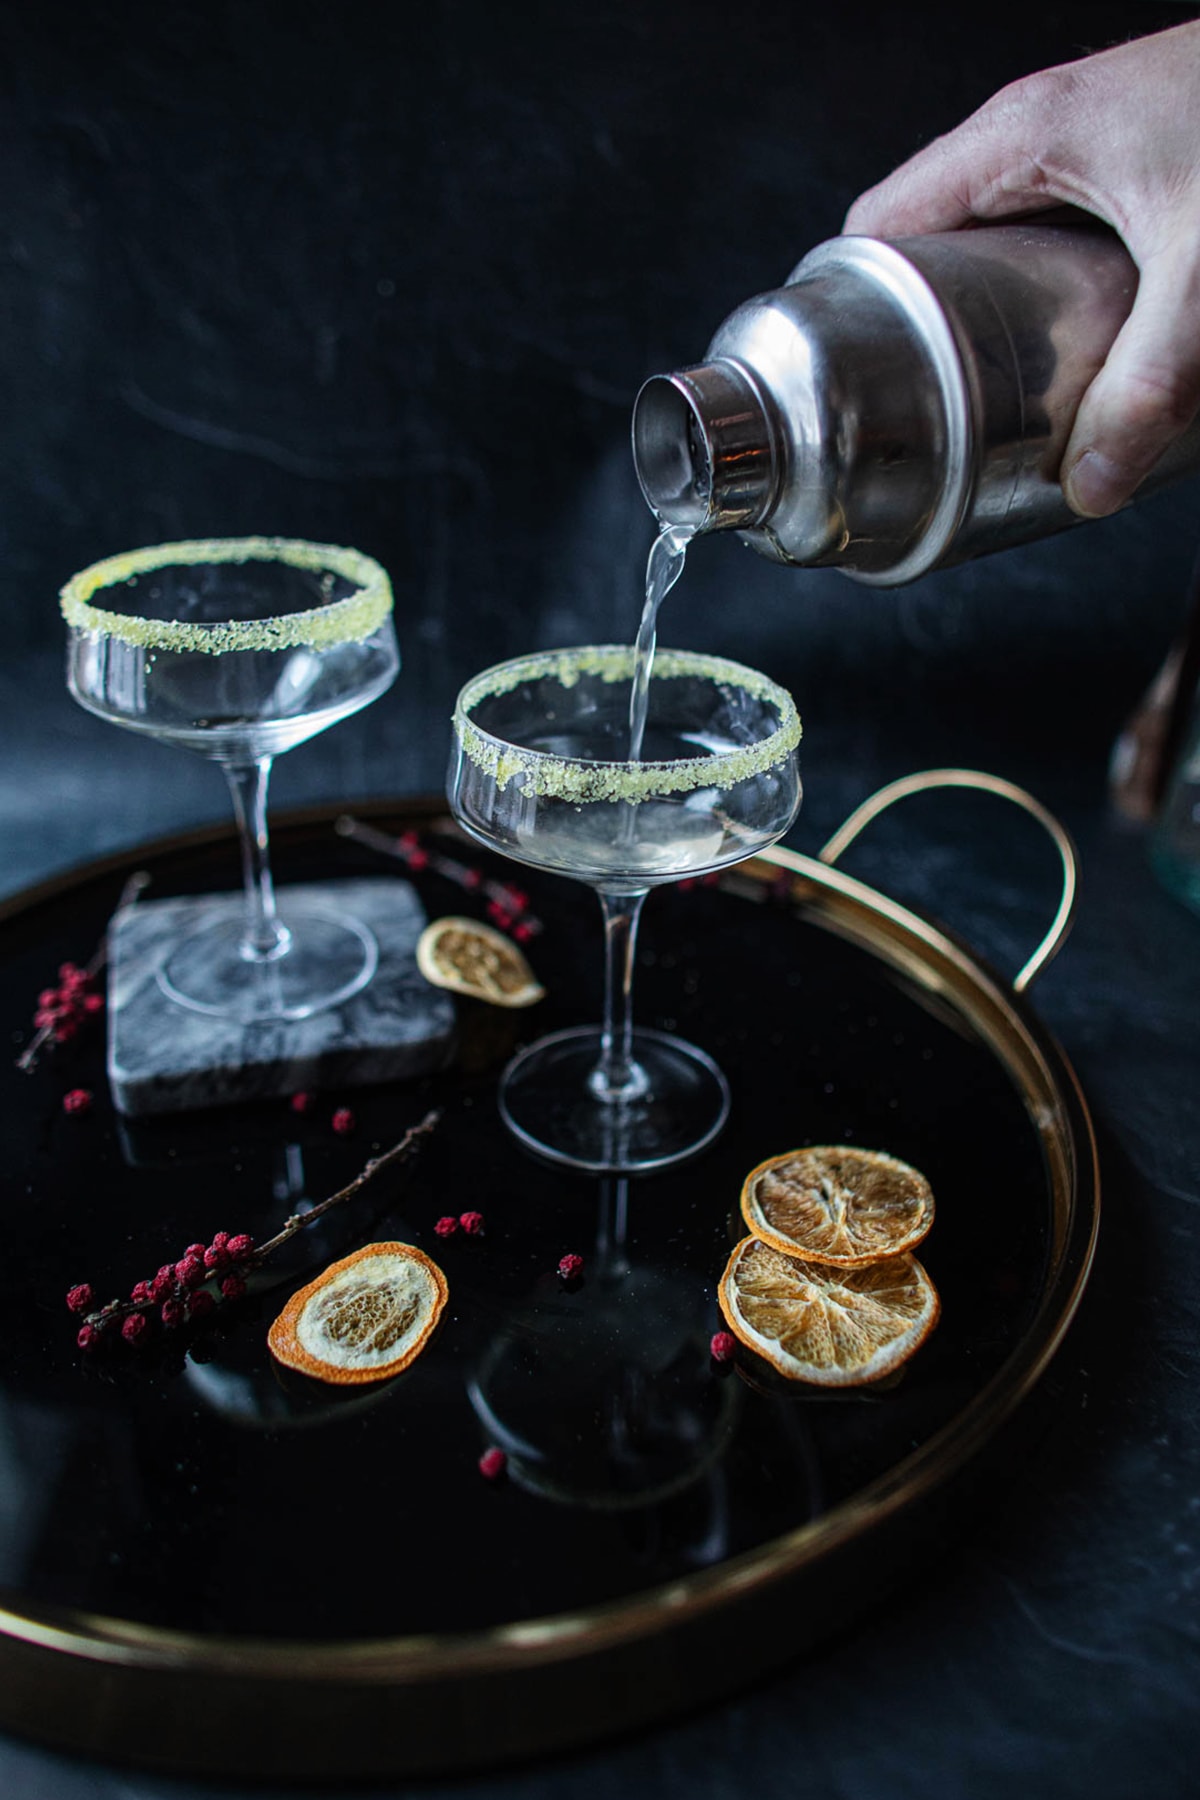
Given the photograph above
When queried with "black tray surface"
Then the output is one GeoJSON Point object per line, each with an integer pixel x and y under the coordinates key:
{"type": "Point", "coordinates": [197, 1488]}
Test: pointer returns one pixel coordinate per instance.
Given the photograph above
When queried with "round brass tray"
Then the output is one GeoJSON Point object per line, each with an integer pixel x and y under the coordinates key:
{"type": "Point", "coordinates": [219, 1612]}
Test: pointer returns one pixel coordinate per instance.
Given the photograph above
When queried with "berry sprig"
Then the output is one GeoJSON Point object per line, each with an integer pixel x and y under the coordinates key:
{"type": "Point", "coordinates": [183, 1292]}
{"type": "Point", "coordinates": [63, 1010]}
{"type": "Point", "coordinates": [507, 904]}
{"type": "Point", "coordinates": [178, 1294]}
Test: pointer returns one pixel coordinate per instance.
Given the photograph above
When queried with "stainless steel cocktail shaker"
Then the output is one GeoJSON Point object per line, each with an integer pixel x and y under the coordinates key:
{"type": "Point", "coordinates": [897, 406]}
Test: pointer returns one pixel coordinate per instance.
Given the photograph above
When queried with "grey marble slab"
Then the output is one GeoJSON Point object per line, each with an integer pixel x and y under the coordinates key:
{"type": "Point", "coordinates": [163, 1057]}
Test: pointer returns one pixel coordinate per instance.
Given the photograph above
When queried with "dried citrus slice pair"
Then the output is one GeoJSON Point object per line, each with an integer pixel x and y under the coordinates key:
{"type": "Point", "coordinates": [471, 958]}
{"type": "Point", "coordinates": [364, 1318]}
{"type": "Point", "coordinates": [826, 1287]}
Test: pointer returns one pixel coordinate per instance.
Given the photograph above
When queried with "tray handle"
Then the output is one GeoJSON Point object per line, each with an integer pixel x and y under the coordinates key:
{"type": "Point", "coordinates": [928, 779]}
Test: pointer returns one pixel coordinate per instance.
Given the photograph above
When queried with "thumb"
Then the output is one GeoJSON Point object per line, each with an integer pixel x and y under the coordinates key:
{"type": "Point", "coordinates": [1145, 396]}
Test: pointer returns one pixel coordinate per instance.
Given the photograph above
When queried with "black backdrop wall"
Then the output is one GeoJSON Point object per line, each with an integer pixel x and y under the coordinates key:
{"type": "Point", "coordinates": [391, 276]}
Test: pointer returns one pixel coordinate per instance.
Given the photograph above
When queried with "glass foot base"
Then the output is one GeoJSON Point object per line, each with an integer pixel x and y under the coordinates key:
{"type": "Point", "coordinates": [546, 1102]}
{"type": "Point", "coordinates": [330, 957]}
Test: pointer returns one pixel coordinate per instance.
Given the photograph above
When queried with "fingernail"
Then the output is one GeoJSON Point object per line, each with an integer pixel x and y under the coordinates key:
{"type": "Point", "coordinates": [1096, 486]}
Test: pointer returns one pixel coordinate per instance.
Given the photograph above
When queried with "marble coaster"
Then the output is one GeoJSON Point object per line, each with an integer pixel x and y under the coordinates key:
{"type": "Point", "coordinates": [162, 1057]}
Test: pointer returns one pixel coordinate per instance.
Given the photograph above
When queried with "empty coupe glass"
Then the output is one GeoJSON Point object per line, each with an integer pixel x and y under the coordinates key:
{"type": "Point", "coordinates": [238, 648]}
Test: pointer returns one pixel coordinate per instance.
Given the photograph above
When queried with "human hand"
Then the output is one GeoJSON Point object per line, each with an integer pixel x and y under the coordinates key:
{"type": "Point", "coordinates": [1118, 134]}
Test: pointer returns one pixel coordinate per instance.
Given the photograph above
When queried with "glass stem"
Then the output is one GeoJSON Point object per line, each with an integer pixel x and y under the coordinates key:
{"type": "Point", "coordinates": [264, 939]}
{"type": "Point", "coordinates": [617, 1076]}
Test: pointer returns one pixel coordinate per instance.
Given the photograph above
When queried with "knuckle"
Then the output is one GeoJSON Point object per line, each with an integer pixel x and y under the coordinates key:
{"type": "Point", "coordinates": [1159, 397]}
{"type": "Point", "coordinates": [1037, 102]}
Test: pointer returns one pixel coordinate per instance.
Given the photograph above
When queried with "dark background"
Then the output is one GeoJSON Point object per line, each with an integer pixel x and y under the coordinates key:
{"type": "Point", "coordinates": [391, 276]}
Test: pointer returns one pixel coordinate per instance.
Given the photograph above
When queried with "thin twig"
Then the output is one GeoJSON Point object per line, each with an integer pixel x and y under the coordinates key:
{"type": "Point", "coordinates": [400, 1152]}
{"type": "Point", "coordinates": [507, 904]}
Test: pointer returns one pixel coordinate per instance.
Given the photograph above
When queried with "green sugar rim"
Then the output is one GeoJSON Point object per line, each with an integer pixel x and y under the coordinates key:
{"type": "Point", "coordinates": [561, 778]}
{"type": "Point", "coordinates": [346, 621]}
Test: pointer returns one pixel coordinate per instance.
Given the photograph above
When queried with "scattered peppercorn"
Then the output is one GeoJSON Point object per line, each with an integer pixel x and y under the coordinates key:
{"type": "Point", "coordinates": [722, 1347]}
{"type": "Point", "coordinates": [301, 1103]}
{"type": "Point", "coordinates": [446, 1227]}
{"type": "Point", "coordinates": [472, 1223]}
{"type": "Point", "coordinates": [344, 1121]}
{"type": "Point", "coordinates": [79, 1100]}
{"type": "Point", "coordinates": [492, 1464]}
{"type": "Point", "coordinates": [570, 1267]}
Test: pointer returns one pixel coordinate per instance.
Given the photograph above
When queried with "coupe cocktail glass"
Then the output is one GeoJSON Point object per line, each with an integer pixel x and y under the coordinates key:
{"type": "Point", "coordinates": [540, 771]}
{"type": "Point", "coordinates": [239, 648]}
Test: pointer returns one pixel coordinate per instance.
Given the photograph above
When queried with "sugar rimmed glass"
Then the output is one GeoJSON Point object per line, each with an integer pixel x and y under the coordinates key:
{"type": "Point", "coordinates": [238, 649]}
{"type": "Point", "coordinates": [539, 771]}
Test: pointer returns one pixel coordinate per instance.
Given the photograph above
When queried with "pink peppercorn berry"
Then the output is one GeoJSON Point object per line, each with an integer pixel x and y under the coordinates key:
{"type": "Point", "coordinates": [472, 1223]}
{"type": "Point", "coordinates": [492, 1464]}
{"type": "Point", "coordinates": [722, 1347]}
{"type": "Point", "coordinates": [79, 1100]}
{"type": "Point", "coordinates": [570, 1267]}
{"type": "Point", "coordinates": [301, 1103]}
{"type": "Point", "coordinates": [233, 1287]}
{"type": "Point", "coordinates": [134, 1328]}
{"type": "Point", "coordinates": [343, 1121]}
{"type": "Point", "coordinates": [446, 1227]}
{"type": "Point", "coordinates": [88, 1337]}
{"type": "Point", "coordinates": [200, 1304]}
{"type": "Point", "coordinates": [172, 1314]}
{"type": "Point", "coordinates": [81, 1298]}
{"type": "Point", "coordinates": [240, 1246]}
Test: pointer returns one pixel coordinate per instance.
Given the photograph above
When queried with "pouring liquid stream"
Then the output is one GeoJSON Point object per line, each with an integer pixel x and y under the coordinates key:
{"type": "Point", "coordinates": [664, 566]}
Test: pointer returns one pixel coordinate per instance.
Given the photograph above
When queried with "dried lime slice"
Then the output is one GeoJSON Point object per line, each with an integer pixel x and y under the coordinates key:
{"type": "Point", "coordinates": [365, 1318]}
{"type": "Point", "coordinates": [470, 958]}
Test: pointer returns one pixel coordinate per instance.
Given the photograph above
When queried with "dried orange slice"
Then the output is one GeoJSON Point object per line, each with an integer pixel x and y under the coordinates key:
{"type": "Point", "coordinates": [365, 1318]}
{"type": "Point", "coordinates": [834, 1327]}
{"type": "Point", "coordinates": [835, 1204]}
{"type": "Point", "coordinates": [470, 958]}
